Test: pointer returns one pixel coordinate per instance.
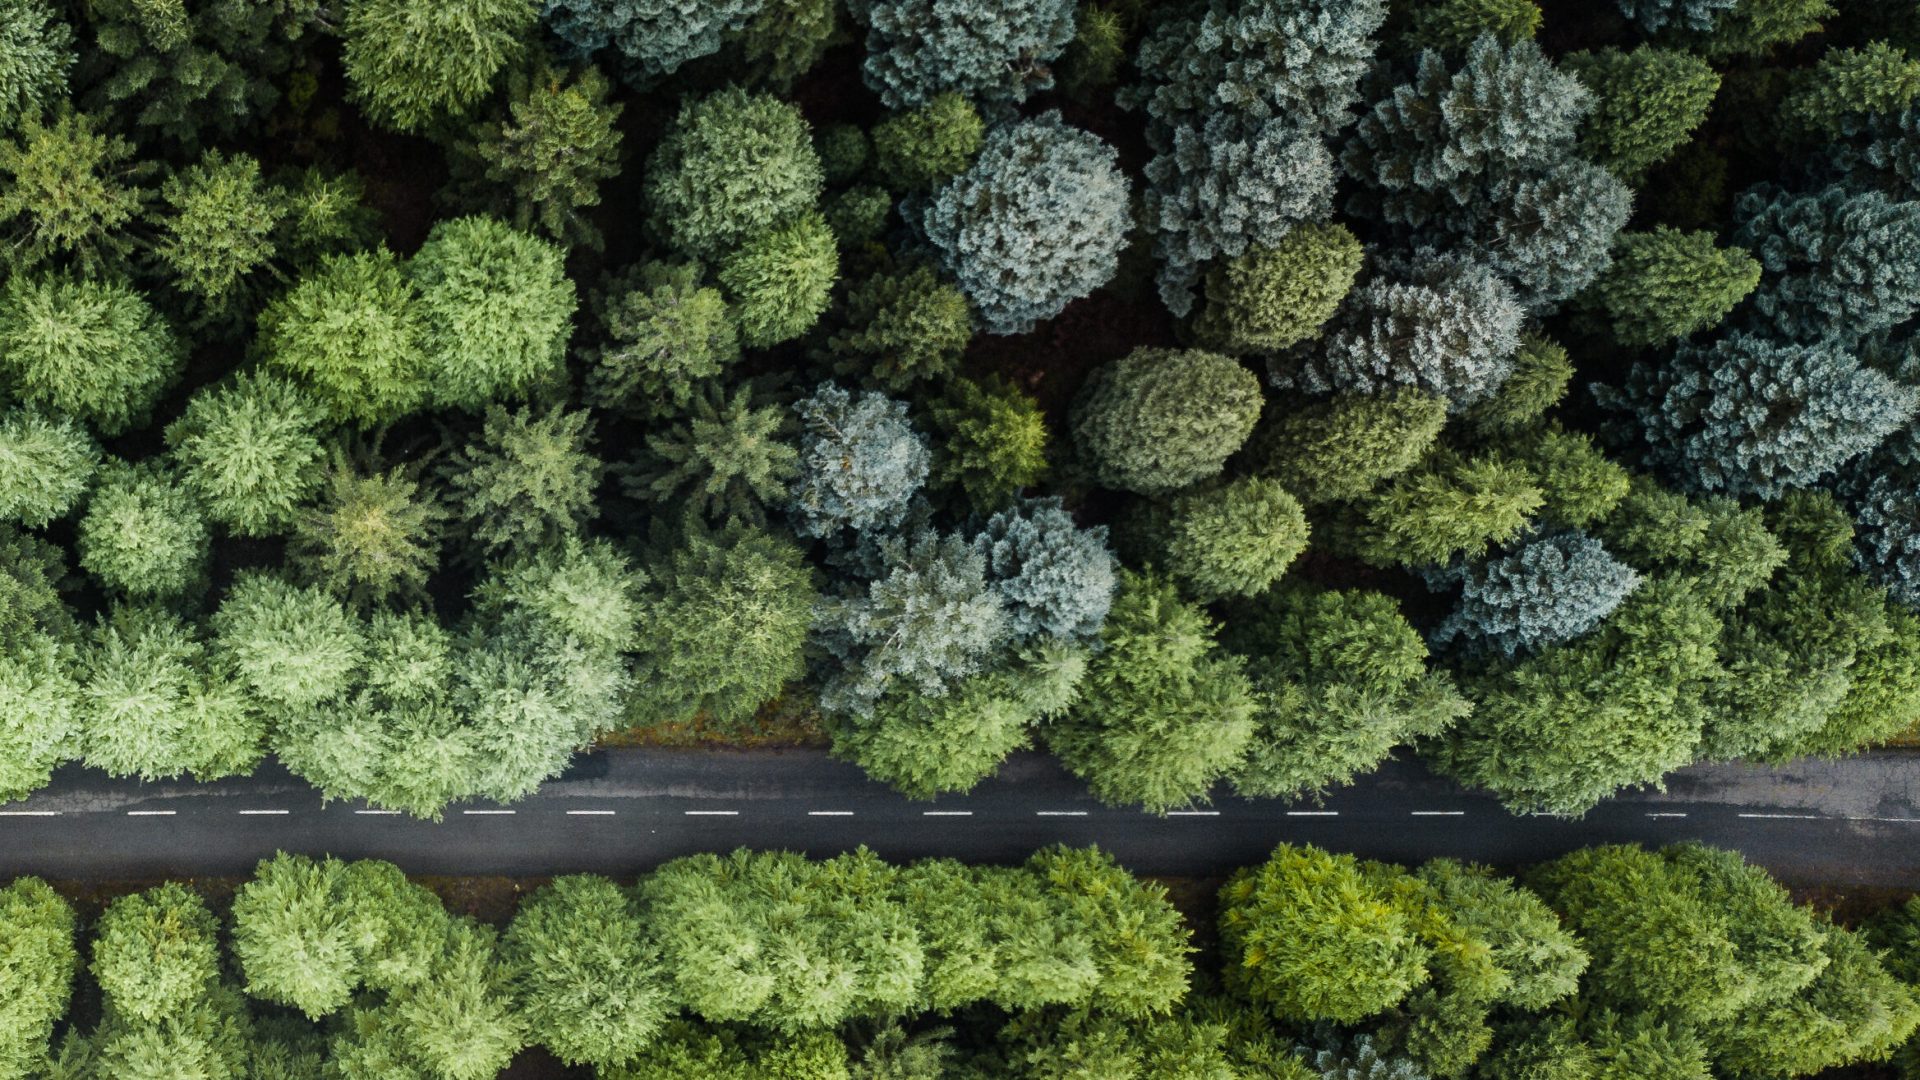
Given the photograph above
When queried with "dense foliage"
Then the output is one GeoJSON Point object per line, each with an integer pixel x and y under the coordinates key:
{"type": "Point", "coordinates": [1228, 394]}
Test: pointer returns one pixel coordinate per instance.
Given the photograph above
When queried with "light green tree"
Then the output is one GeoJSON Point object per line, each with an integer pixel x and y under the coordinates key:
{"type": "Point", "coordinates": [92, 350]}
{"type": "Point", "coordinates": [249, 450]}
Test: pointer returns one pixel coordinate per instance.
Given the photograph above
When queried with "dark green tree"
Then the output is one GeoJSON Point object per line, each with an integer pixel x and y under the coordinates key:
{"type": "Point", "coordinates": [902, 327]}
{"type": "Point", "coordinates": [1271, 298]}
{"type": "Point", "coordinates": [527, 481]}
{"type": "Point", "coordinates": [539, 159]}
{"type": "Point", "coordinates": [732, 455]}
{"type": "Point", "coordinates": [1160, 419]}
{"type": "Point", "coordinates": [411, 65]}
{"type": "Point", "coordinates": [663, 333]}
{"type": "Point", "coordinates": [921, 148]}
{"type": "Point", "coordinates": [93, 350]}
{"type": "Point", "coordinates": [780, 280]}
{"type": "Point", "coordinates": [496, 309]}
{"type": "Point", "coordinates": [71, 192]}
{"type": "Point", "coordinates": [1667, 284]}
{"type": "Point", "coordinates": [1647, 102]}
{"type": "Point", "coordinates": [35, 55]}
{"type": "Point", "coordinates": [1163, 713]}
{"type": "Point", "coordinates": [218, 231]}
{"type": "Point", "coordinates": [732, 166]}
{"type": "Point", "coordinates": [992, 440]}
{"type": "Point", "coordinates": [1341, 447]}
{"type": "Point", "coordinates": [1233, 540]}
{"type": "Point", "coordinates": [374, 536]}
{"type": "Point", "coordinates": [723, 625]}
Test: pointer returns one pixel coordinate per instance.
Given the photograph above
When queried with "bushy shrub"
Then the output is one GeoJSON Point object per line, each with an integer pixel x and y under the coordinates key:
{"type": "Point", "coordinates": [1160, 419]}
{"type": "Point", "coordinates": [903, 327]}
{"type": "Point", "coordinates": [1338, 449]}
{"type": "Point", "coordinates": [351, 332]}
{"type": "Point", "coordinates": [992, 440]}
{"type": "Point", "coordinates": [496, 308]}
{"type": "Point", "coordinates": [1035, 223]}
{"type": "Point", "coordinates": [1056, 577]}
{"type": "Point", "coordinates": [860, 462]}
{"type": "Point", "coordinates": [1163, 713]}
{"type": "Point", "coordinates": [929, 619]}
{"type": "Point", "coordinates": [410, 65]}
{"type": "Point", "coordinates": [1269, 298]}
{"type": "Point", "coordinates": [45, 466]}
{"type": "Point", "coordinates": [36, 52]}
{"type": "Point", "coordinates": [653, 37]}
{"type": "Point", "coordinates": [93, 350]}
{"type": "Point", "coordinates": [1646, 104]}
{"type": "Point", "coordinates": [731, 166]}
{"type": "Point", "coordinates": [1667, 284]}
{"type": "Point", "coordinates": [1234, 540]}
{"type": "Point", "coordinates": [143, 534]}
{"type": "Point", "coordinates": [996, 51]}
{"type": "Point", "coordinates": [1548, 589]}
{"type": "Point", "coordinates": [729, 457]}
{"type": "Point", "coordinates": [539, 160]}
{"type": "Point", "coordinates": [664, 332]}
{"type": "Point", "coordinates": [1442, 323]}
{"type": "Point", "coordinates": [780, 280]}
{"type": "Point", "coordinates": [921, 148]}
{"type": "Point", "coordinates": [250, 451]}
{"type": "Point", "coordinates": [526, 482]}
{"type": "Point", "coordinates": [71, 190]}
{"type": "Point", "coordinates": [374, 535]}
{"type": "Point", "coordinates": [1839, 264]}
{"type": "Point", "coordinates": [1751, 416]}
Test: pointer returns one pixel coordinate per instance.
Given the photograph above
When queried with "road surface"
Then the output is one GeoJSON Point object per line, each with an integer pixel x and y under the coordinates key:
{"type": "Point", "coordinates": [1854, 822]}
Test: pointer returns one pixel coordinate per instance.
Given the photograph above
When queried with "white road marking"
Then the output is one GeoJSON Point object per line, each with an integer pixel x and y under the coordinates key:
{"type": "Point", "coordinates": [1193, 813]}
{"type": "Point", "coordinates": [29, 813]}
{"type": "Point", "coordinates": [946, 813]}
{"type": "Point", "coordinates": [590, 813]}
{"type": "Point", "coordinates": [262, 813]}
{"type": "Point", "coordinates": [151, 813]}
{"type": "Point", "coordinates": [712, 813]}
{"type": "Point", "coordinates": [485, 813]}
{"type": "Point", "coordinates": [829, 813]}
{"type": "Point", "coordinates": [1060, 813]}
{"type": "Point", "coordinates": [1784, 817]}
{"type": "Point", "coordinates": [1439, 813]}
{"type": "Point", "coordinates": [1666, 815]}
{"type": "Point", "coordinates": [1313, 813]}
{"type": "Point", "coordinates": [1900, 820]}
{"type": "Point", "coordinates": [379, 813]}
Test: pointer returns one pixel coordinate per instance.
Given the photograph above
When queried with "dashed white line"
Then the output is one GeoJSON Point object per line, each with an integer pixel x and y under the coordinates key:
{"type": "Point", "coordinates": [946, 813]}
{"type": "Point", "coordinates": [263, 813]}
{"type": "Point", "coordinates": [829, 813]}
{"type": "Point", "coordinates": [486, 813]}
{"type": "Point", "coordinates": [1439, 813]}
{"type": "Point", "coordinates": [1193, 813]}
{"type": "Point", "coordinates": [379, 813]}
{"type": "Point", "coordinates": [29, 813]}
{"type": "Point", "coordinates": [712, 813]}
{"type": "Point", "coordinates": [1313, 813]}
{"type": "Point", "coordinates": [151, 813]}
{"type": "Point", "coordinates": [1784, 817]}
{"type": "Point", "coordinates": [1898, 820]}
{"type": "Point", "coordinates": [1666, 815]}
{"type": "Point", "coordinates": [1060, 813]}
{"type": "Point", "coordinates": [590, 813]}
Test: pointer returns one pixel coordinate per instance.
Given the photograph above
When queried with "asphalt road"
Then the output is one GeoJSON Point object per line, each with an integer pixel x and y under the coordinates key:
{"type": "Point", "coordinates": [1853, 822]}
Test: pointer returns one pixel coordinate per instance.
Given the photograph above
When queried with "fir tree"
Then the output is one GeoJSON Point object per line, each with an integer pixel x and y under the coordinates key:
{"type": "Point", "coordinates": [997, 52]}
{"type": "Point", "coordinates": [36, 52]}
{"type": "Point", "coordinates": [731, 166]}
{"type": "Point", "coordinates": [45, 466]}
{"type": "Point", "coordinates": [495, 308]}
{"type": "Point", "coordinates": [1647, 103]}
{"type": "Point", "coordinates": [71, 191]}
{"type": "Point", "coordinates": [143, 534]}
{"type": "Point", "coordinates": [1667, 284]}
{"type": "Point", "coordinates": [860, 462]}
{"type": "Point", "coordinates": [250, 451]}
{"type": "Point", "coordinates": [1160, 419]}
{"type": "Point", "coordinates": [664, 332]}
{"type": "Point", "coordinates": [526, 482]}
{"type": "Point", "coordinates": [731, 456]}
{"type": "Point", "coordinates": [411, 66]}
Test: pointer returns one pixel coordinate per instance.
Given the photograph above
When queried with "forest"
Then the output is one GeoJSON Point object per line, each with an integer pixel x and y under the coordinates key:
{"type": "Point", "coordinates": [1610, 963]}
{"type": "Point", "coordinates": [1219, 396]}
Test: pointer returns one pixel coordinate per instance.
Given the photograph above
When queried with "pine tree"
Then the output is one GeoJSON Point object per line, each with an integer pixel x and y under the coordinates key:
{"type": "Point", "coordinates": [1667, 284]}
{"type": "Point", "coordinates": [732, 166]}
{"type": "Point", "coordinates": [144, 533]}
{"type": "Point", "coordinates": [1273, 297]}
{"type": "Point", "coordinates": [1056, 577]}
{"type": "Point", "coordinates": [410, 65]}
{"type": "Point", "coordinates": [39, 927]}
{"type": "Point", "coordinates": [903, 327]}
{"type": "Point", "coordinates": [155, 952]}
{"type": "Point", "coordinates": [45, 466]}
{"type": "Point", "coordinates": [374, 536]}
{"type": "Point", "coordinates": [93, 350]}
{"type": "Point", "coordinates": [997, 52]}
{"type": "Point", "coordinates": [991, 441]}
{"type": "Point", "coordinates": [1647, 102]}
{"type": "Point", "coordinates": [586, 975]}
{"type": "Point", "coordinates": [150, 705]}
{"type": "Point", "coordinates": [36, 52]}
{"type": "Point", "coordinates": [731, 456]}
{"type": "Point", "coordinates": [526, 482]}
{"type": "Point", "coordinates": [496, 309]}
{"type": "Point", "coordinates": [653, 37]}
{"type": "Point", "coordinates": [1160, 419]}
{"type": "Point", "coordinates": [71, 191]}
{"type": "Point", "coordinates": [860, 462]}
{"type": "Point", "coordinates": [1034, 224]}
{"type": "Point", "coordinates": [663, 332]}
{"type": "Point", "coordinates": [250, 451]}
{"type": "Point", "coordinates": [1163, 713]}
{"type": "Point", "coordinates": [218, 232]}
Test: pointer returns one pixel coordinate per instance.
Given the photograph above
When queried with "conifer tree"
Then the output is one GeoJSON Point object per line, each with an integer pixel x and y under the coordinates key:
{"type": "Point", "coordinates": [411, 65]}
